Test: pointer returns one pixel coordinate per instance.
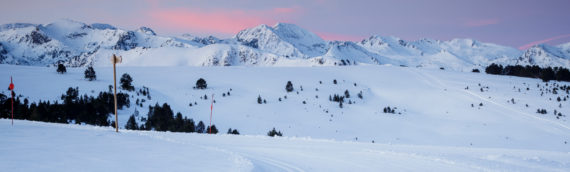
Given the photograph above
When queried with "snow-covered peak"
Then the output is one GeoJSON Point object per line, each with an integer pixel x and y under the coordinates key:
{"type": "Point", "coordinates": [200, 40]}
{"type": "Point", "coordinates": [283, 39]}
{"type": "Point", "coordinates": [389, 46]}
{"type": "Point", "coordinates": [297, 35]}
{"type": "Point", "coordinates": [373, 41]}
{"type": "Point", "coordinates": [65, 25]}
{"type": "Point", "coordinates": [383, 42]}
{"type": "Point", "coordinates": [101, 26]}
{"type": "Point", "coordinates": [345, 53]}
{"type": "Point", "coordinates": [147, 31]}
{"type": "Point", "coordinates": [62, 28]}
{"type": "Point", "coordinates": [547, 49]}
{"type": "Point", "coordinates": [465, 42]}
{"type": "Point", "coordinates": [544, 55]}
{"type": "Point", "coordinates": [377, 39]}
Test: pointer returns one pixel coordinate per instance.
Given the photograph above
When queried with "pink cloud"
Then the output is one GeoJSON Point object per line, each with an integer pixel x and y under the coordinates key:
{"type": "Point", "coordinates": [526, 46]}
{"type": "Point", "coordinates": [285, 10]}
{"type": "Point", "coordinates": [221, 21]}
{"type": "Point", "coordinates": [338, 37]}
{"type": "Point", "coordinates": [484, 22]}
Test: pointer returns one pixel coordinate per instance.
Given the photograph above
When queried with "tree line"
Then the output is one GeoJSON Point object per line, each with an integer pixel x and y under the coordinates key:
{"type": "Point", "coordinates": [162, 118]}
{"type": "Point", "coordinates": [95, 110]}
{"type": "Point", "coordinates": [73, 108]}
{"type": "Point", "coordinates": [546, 74]}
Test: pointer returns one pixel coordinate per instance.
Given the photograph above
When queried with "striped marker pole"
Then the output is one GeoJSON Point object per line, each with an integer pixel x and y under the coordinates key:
{"type": "Point", "coordinates": [211, 111]}
{"type": "Point", "coordinates": [12, 94]}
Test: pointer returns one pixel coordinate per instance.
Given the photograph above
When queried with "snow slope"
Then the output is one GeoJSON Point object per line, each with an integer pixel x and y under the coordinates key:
{"type": "Point", "coordinates": [438, 121]}
{"type": "Point", "coordinates": [78, 44]}
{"type": "Point", "coordinates": [435, 107]}
{"type": "Point", "coordinates": [58, 147]}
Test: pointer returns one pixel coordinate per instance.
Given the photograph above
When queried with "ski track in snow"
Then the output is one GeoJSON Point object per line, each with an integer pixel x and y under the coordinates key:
{"type": "Point", "coordinates": [260, 163]}
{"type": "Point", "coordinates": [252, 153]}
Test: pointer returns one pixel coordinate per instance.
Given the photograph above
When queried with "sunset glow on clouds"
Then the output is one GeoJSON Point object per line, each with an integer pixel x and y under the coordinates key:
{"type": "Point", "coordinates": [526, 46]}
{"type": "Point", "coordinates": [484, 22]}
{"type": "Point", "coordinates": [516, 23]}
{"type": "Point", "coordinates": [220, 21]}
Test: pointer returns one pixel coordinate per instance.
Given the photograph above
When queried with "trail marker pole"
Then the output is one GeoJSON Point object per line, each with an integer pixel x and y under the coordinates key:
{"type": "Point", "coordinates": [11, 87]}
{"type": "Point", "coordinates": [211, 111]}
{"type": "Point", "coordinates": [115, 60]}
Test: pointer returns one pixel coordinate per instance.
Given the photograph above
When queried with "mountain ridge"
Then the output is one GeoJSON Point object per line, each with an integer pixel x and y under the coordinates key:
{"type": "Point", "coordinates": [78, 44]}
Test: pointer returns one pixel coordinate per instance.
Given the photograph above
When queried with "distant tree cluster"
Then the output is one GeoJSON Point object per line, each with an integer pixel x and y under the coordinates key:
{"type": "Point", "coordinates": [274, 133]}
{"type": "Point", "coordinates": [389, 110]}
{"type": "Point", "coordinates": [234, 131]}
{"type": "Point", "coordinates": [337, 98]}
{"type": "Point", "coordinates": [546, 74]}
{"type": "Point", "coordinates": [261, 100]}
{"type": "Point", "coordinates": [212, 130]}
{"type": "Point", "coordinates": [162, 118]}
{"type": "Point", "coordinates": [541, 111]}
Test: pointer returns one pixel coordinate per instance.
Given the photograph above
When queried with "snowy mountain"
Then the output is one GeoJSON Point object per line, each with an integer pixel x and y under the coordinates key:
{"type": "Point", "coordinates": [79, 44]}
{"type": "Point", "coordinates": [545, 55]}
{"type": "Point", "coordinates": [455, 54]}
{"type": "Point", "coordinates": [283, 39]}
{"type": "Point", "coordinates": [72, 43]}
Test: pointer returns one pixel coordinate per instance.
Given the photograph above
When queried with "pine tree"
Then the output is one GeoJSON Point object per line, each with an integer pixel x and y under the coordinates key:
{"type": "Point", "coordinates": [126, 82]}
{"type": "Point", "coordinates": [132, 124]}
{"type": "Point", "coordinates": [200, 128]}
{"type": "Point", "coordinates": [212, 130]}
{"type": "Point", "coordinates": [289, 86]}
{"type": "Point", "coordinates": [201, 84]}
{"type": "Point", "coordinates": [189, 125]}
{"type": "Point", "coordinates": [90, 74]}
{"type": "Point", "coordinates": [61, 68]}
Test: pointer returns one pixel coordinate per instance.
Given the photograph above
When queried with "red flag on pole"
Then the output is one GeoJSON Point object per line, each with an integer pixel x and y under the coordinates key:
{"type": "Point", "coordinates": [211, 110]}
{"type": "Point", "coordinates": [11, 87]}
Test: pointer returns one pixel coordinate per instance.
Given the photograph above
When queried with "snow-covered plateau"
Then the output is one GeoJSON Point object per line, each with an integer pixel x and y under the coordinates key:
{"type": "Point", "coordinates": [443, 120]}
